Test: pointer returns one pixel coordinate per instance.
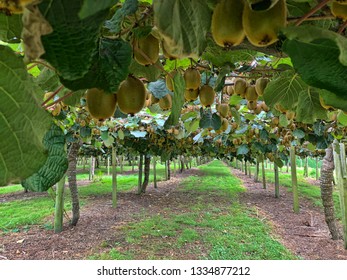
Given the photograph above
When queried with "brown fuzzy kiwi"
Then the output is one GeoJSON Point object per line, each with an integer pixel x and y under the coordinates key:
{"type": "Point", "coordinates": [191, 95]}
{"type": "Point", "coordinates": [100, 104]}
{"type": "Point", "coordinates": [339, 10]}
{"type": "Point", "coordinates": [168, 80]}
{"type": "Point", "coordinates": [223, 109]}
{"type": "Point", "coordinates": [260, 85]}
{"type": "Point", "coordinates": [131, 95]}
{"type": "Point", "coordinates": [165, 102]}
{"type": "Point", "coordinates": [240, 86]}
{"type": "Point", "coordinates": [251, 94]}
{"type": "Point", "coordinates": [206, 95]}
{"type": "Point", "coordinates": [192, 78]}
{"type": "Point", "coordinates": [149, 50]}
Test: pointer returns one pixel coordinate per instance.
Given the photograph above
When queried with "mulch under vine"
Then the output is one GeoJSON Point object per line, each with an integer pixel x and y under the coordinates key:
{"type": "Point", "coordinates": [305, 234]}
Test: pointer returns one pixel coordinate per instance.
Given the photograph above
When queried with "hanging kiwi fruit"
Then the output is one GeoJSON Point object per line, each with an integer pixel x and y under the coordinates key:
{"type": "Point", "coordinates": [251, 94]}
{"type": "Point", "coordinates": [223, 109]}
{"type": "Point", "coordinates": [240, 86]}
{"type": "Point", "coordinates": [101, 105]}
{"type": "Point", "coordinates": [168, 80]}
{"type": "Point", "coordinates": [206, 95]}
{"type": "Point", "coordinates": [192, 78]}
{"type": "Point", "coordinates": [165, 103]}
{"type": "Point", "coordinates": [252, 105]}
{"type": "Point", "coordinates": [339, 10]}
{"type": "Point", "coordinates": [146, 50]}
{"type": "Point", "coordinates": [131, 95]}
{"type": "Point", "coordinates": [191, 95]}
{"type": "Point", "coordinates": [226, 26]}
{"type": "Point", "coordinates": [260, 85]}
{"type": "Point", "coordinates": [262, 26]}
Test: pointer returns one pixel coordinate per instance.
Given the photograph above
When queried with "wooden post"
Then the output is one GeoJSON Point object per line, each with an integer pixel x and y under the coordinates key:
{"type": "Point", "coordinates": [139, 188]}
{"type": "Point", "coordinates": [263, 172]}
{"type": "Point", "coordinates": [277, 183]}
{"type": "Point", "coordinates": [59, 206]}
{"type": "Point", "coordinates": [91, 168]}
{"type": "Point", "coordinates": [108, 165]}
{"type": "Point", "coordinates": [246, 167]}
{"type": "Point", "coordinates": [317, 169]}
{"type": "Point", "coordinates": [294, 180]}
{"type": "Point", "coordinates": [155, 172]}
{"type": "Point", "coordinates": [249, 170]}
{"type": "Point", "coordinates": [114, 177]}
{"type": "Point", "coordinates": [256, 173]}
{"type": "Point", "coordinates": [341, 180]}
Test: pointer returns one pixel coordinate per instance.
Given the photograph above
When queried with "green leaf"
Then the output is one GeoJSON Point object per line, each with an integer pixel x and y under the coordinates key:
{"type": "Point", "coordinates": [235, 99]}
{"type": "Point", "coordinates": [221, 78]}
{"type": "Point", "coordinates": [342, 118]}
{"type": "Point", "coordinates": [138, 133]}
{"type": "Point", "coordinates": [10, 28]}
{"type": "Point", "coordinates": [23, 122]}
{"type": "Point", "coordinates": [284, 90]}
{"type": "Point", "coordinates": [158, 88]}
{"type": "Point", "coordinates": [278, 162]}
{"type": "Point", "coordinates": [177, 100]}
{"type": "Point", "coordinates": [150, 72]}
{"type": "Point", "coordinates": [129, 7]}
{"type": "Point", "coordinates": [209, 120]}
{"type": "Point", "coordinates": [319, 56]}
{"type": "Point", "coordinates": [299, 133]}
{"type": "Point", "coordinates": [192, 126]}
{"type": "Point", "coordinates": [283, 120]}
{"type": "Point", "coordinates": [55, 166]}
{"type": "Point", "coordinates": [109, 68]}
{"type": "Point", "coordinates": [69, 48]}
{"type": "Point", "coordinates": [309, 108]}
{"type": "Point", "coordinates": [183, 24]}
{"type": "Point", "coordinates": [333, 100]}
{"type": "Point", "coordinates": [85, 131]}
{"type": "Point", "coordinates": [242, 149]}
{"type": "Point", "coordinates": [90, 7]}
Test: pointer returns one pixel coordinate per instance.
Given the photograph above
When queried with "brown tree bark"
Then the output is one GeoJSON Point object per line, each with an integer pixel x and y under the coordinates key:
{"type": "Point", "coordinates": [326, 180]}
{"type": "Point", "coordinates": [71, 173]}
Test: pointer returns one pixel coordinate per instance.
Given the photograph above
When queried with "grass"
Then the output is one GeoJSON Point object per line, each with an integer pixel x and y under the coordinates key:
{"type": "Point", "coordinates": [11, 189]}
{"type": "Point", "coordinates": [17, 214]}
{"type": "Point", "coordinates": [213, 225]}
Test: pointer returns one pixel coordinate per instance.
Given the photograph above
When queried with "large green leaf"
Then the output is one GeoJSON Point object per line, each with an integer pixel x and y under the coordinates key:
{"type": "Point", "coordinates": [22, 121]}
{"type": "Point", "coordinates": [309, 108]}
{"type": "Point", "coordinates": [331, 99]}
{"type": "Point", "coordinates": [184, 25]}
{"type": "Point", "coordinates": [177, 100]}
{"type": "Point", "coordinates": [319, 56]}
{"type": "Point", "coordinates": [55, 166]}
{"type": "Point", "coordinates": [158, 88]}
{"type": "Point", "coordinates": [284, 90]}
{"type": "Point", "coordinates": [110, 65]}
{"type": "Point", "coordinates": [90, 7]}
{"type": "Point", "coordinates": [69, 48]}
{"type": "Point", "coordinates": [10, 28]}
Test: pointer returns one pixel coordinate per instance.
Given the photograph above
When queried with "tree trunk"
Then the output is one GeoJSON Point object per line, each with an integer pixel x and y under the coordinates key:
{"type": "Point", "coordinates": [306, 167]}
{"type": "Point", "coordinates": [147, 168]}
{"type": "Point", "coordinates": [326, 186]}
{"type": "Point", "coordinates": [91, 168]}
{"type": "Point", "coordinates": [72, 180]}
{"type": "Point", "coordinates": [317, 169]}
{"type": "Point", "coordinates": [294, 180]}
{"type": "Point", "coordinates": [168, 170]}
{"type": "Point", "coordinates": [246, 167]}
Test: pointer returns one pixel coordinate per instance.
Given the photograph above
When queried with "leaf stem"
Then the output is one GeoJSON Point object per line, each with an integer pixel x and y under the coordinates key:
{"type": "Point", "coordinates": [59, 100]}
{"type": "Point", "coordinates": [312, 11]}
{"type": "Point", "coordinates": [342, 27]}
{"type": "Point", "coordinates": [52, 96]}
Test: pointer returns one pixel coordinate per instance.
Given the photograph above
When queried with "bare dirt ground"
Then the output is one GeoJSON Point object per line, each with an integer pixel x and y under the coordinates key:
{"type": "Point", "coordinates": [305, 234]}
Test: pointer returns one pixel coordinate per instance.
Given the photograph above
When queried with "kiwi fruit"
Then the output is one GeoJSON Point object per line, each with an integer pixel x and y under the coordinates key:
{"type": "Point", "coordinates": [191, 95]}
{"type": "Point", "coordinates": [168, 80]}
{"type": "Point", "coordinates": [149, 50]}
{"type": "Point", "coordinates": [262, 26]}
{"type": "Point", "coordinates": [260, 85]}
{"type": "Point", "coordinates": [192, 78]}
{"type": "Point", "coordinates": [226, 25]}
{"type": "Point", "coordinates": [166, 51]}
{"type": "Point", "coordinates": [258, 109]}
{"type": "Point", "coordinates": [251, 93]}
{"type": "Point", "coordinates": [252, 105]}
{"type": "Point", "coordinates": [165, 103]}
{"type": "Point", "coordinates": [131, 95]}
{"type": "Point", "coordinates": [225, 125]}
{"type": "Point", "coordinates": [154, 100]}
{"type": "Point", "coordinates": [223, 109]}
{"type": "Point", "coordinates": [206, 95]}
{"type": "Point", "coordinates": [264, 107]}
{"type": "Point", "coordinates": [101, 105]}
{"type": "Point", "coordinates": [339, 10]}
{"type": "Point", "coordinates": [230, 90]}
{"type": "Point", "coordinates": [240, 86]}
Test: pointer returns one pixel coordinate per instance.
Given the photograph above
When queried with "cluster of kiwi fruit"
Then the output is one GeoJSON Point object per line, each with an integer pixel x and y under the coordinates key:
{"type": "Point", "coordinates": [260, 22]}
{"type": "Point", "coordinates": [339, 9]}
{"type": "Point", "coordinates": [249, 92]}
{"type": "Point", "coordinates": [130, 98]}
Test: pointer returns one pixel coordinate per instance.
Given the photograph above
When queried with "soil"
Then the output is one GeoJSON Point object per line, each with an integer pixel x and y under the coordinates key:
{"type": "Point", "coordinates": [305, 234]}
